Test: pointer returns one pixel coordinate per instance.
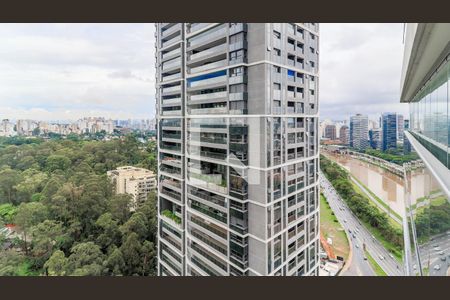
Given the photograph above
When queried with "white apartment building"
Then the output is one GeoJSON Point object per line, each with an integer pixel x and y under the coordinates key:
{"type": "Point", "coordinates": [138, 182]}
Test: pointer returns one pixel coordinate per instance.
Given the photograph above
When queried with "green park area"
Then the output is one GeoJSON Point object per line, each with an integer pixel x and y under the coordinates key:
{"type": "Point", "coordinates": [331, 228]}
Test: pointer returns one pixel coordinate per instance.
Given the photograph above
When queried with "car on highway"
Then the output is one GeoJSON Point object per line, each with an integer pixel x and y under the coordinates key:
{"type": "Point", "coordinates": [443, 258]}
{"type": "Point", "coordinates": [349, 231]}
{"type": "Point", "coordinates": [354, 236]}
{"type": "Point", "coordinates": [357, 246]}
{"type": "Point", "coordinates": [391, 256]}
{"type": "Point", "coordinates": [437, 267]}
{"type": "Point", "coordinates": [365, 257]}
{"type": "Point", "coordinates": [381, 257]}
{"type": "Point", "coordinates": [441, 252]}
{"type": "Point", "coordinates": [345, 220]}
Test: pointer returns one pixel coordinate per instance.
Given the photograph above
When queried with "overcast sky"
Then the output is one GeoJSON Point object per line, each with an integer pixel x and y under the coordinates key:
{"type": "Point", "coordinates": [67, 71]}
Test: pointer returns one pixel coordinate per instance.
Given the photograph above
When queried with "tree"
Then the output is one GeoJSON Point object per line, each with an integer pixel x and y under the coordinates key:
{"type": "Point", "coordinates": [131, 250]}
{"type": "Point", "coordinates": [109, 233]}
{"type": "Point", "coordinates": [56, 265]}
{"type": "Point", "coordinates": [115, 262]}
{"type": "Point", "coordinates": [46, 236]}
{"type": "Point", "coordinates": [148, 258]}
{"type": "Point", "coordinates": [9, 262]}
{"type": "Point", "coordinates": [57, 162]}
{"type": "Point", "coordinates": [8, 180]}
{"type": "Point", "coordinates": [7, 213]}
{"type": "Point", "coordinates": [119, 206]}
{"type": "Point", "coordinates": [136, 224]}
{"type": "Point", "coordinates": [28, 215]}
{"type": "Point", "coordinates": [86, 259]}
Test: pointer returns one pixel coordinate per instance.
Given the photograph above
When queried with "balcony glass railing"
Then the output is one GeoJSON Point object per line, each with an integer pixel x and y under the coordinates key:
{"type": "Point", "coordinates": [171, 41]}
{"type": "Point", "coordinates": [220, 233]}
{"type": "Point", "coordinates": [209, 96]}
{"type": "Point", "coordinates": [171, 63]}
{"type": "Point", "coordinates": [216, 199]}
{"type": "Point", "coordinates": [176, 88]}
{"type": "Point", "coordinates": [213, 50]}
{"type": "Point", "coordinates": [171, 112]}
{"type": "Point", "coordinates": [171, 53]}
{"type": "Point", "coordinates": [176, 101]}
{"type": "Point", "coordinates": [211, 110]}
{"type": "Point", "coordinates": [199, 83]}
{"type": "Point", "coordinates": [171, 77]}
{"type": "Point", "coordinates": [197, 26]}
{"type": "Point", "coordinates": [209, 211]}
{"type": "Point", "coordinates": [212, 34]}
{"type": "Point", "coordinates": [218, 64]}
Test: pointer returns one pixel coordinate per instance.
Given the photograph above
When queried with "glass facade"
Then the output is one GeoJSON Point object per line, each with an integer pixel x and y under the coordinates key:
{"type": "Point", "coordinates": [429, 115]}
{"type": "Point", "coordinates": [428, 212]}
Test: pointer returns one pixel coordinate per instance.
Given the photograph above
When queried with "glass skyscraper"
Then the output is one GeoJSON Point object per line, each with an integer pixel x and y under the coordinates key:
{"type": "Point", "coordinates": [426, 87]}
{"type": "Point", "coordinates": [389, 128]}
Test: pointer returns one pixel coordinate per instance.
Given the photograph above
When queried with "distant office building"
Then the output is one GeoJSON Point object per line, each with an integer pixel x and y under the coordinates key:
{"type": "Point", "coordinates": [425, 83]}
{"type": "Point", "coordinates": [137, 182]}
{"type": "Point", "coordinates": [359, 132]}
{"type": "Point", "coordinates": [389, 127]}
{"type": "Point", "coordinates": [373, 124]}
{"type": "Point", "coordinates": [344, 134]}
{"type": "Point", "coordinates": [330, 132]}
{"type": "Point", "coordinates": [400, 127]}
{"type": "Point", "coordinates": [375, 138]}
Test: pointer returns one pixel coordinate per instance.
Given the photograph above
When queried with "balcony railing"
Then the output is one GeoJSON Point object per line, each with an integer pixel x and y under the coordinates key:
{"type": "Point", "coordinates": [210, 35]}
{"type": "Point", "coordinates": [209, 96]}
{"type": "Point", "coordinates": [199, 83]}
{"type": "Point", "coordinates": [213, 50]}
{"type": "Point", "coordinates": [217, 64]}
{"type": "Point", "coordinates": [212, 110]}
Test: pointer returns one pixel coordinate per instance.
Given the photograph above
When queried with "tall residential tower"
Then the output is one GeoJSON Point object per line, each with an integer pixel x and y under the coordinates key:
{"type": "Point", "coordinates": [237, 109]}
{"type": "Point", "coordinates": [359, 132]}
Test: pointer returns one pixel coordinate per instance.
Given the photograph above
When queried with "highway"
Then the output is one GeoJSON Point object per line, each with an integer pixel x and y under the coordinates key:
{"type": "Point", "coordinates": [431, 254]}
{"type": "Point", "coordinates": [389, 264]}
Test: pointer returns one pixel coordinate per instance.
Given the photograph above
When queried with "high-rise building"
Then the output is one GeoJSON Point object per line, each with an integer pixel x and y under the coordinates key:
{"type": "Point", "coordinates": [359, 131]}
{"type": "Point", "coordinates": [137, 182]}
{"type": "Point", "coordinates": [426, 86]}
{"type": "Point", "coordinates": [389, 127]}
{"type": "Point", "coordinates": [237, 110]}
{"type": "Point", "coordinates": [400, 127]}
{"type": "Point", "coordinates": [344, 134]}
{"type": "Point", "coordinates": [375, 138]}
{"type": "Point", "coordinates": [330, 132]}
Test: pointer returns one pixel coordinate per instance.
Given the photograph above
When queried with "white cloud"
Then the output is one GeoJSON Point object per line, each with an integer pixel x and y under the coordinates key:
{"type": "Point", "coordinates": [102, 69]}
{"type": "Point", "coordinates": [360, 67]}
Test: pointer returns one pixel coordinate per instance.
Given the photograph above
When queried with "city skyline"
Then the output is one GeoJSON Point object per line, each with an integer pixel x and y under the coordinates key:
{"type": "Point", "coordinates": [80, 70]}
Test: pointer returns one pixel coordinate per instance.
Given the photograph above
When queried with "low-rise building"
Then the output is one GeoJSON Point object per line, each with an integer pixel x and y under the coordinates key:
{"type": "Point", "coordinates": [138, 182]}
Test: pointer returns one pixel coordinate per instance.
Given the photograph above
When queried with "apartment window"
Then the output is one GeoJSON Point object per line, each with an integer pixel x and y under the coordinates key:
{"type": "Point", "coordinates": [277, 51]}
{"type": "Point", "coordinates": [277, 69]}
{"type": "Point", "coordinates": [313, 37]}
{"type": "Point", "coordinates": [237, 88]}
{"type": "Point", "coordinates": [276, 34]}
{"type": "Point", "coordinates": [311, 49]}
{"type": "Point", "coordinates": [312, 64]}
{"type": "Point", "coordinates": [237, 38]}
{"type": "Point", "coordinates": [277, 86]}
{"type": "Point", "coordinates": [237, 55]}
{"type": "Point", "coordinates": [236, 71]}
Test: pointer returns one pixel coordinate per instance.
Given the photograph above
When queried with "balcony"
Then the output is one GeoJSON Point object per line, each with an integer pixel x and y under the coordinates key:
{"type": "Point", "coordinates": [171, 64]}
{"type": "Point", "coordinates": [207, 37]}
{"type": "Point", "coordinates": [171, 219]}
{"type": "Point", "coordinates": [197, 26]}
{"type": "Point", "coordinates": [208, 98]}
{"type": "Point", "coordinates": [171, 90]}
{"type": "Point", "coordinates": [171, 41]}
{"type": "Point", "coordinates": [168, 182]}
{"type": "Point", "coordinates": [207, 111]}
{"type": "Point", "coordinates": [214, 182]}
{"type": "Point", "coordinates": [172, 162]}
{"type": "Point", "coordinates": [208, 53]}
{"type": "Point", "coordinates": [210, 82]}
{"type": "Point", "coordinates": [173, 112]}
{"type": "Point", "coordinates": [171, 30]}
{"type": "Point", "coordinates": [237, 27]}
{"type": "Point", "coordinates": [171, 77]}
{"type": "Point", "coordinates": [217, 64]}
{"type": "Point", "coordinates": [176, 148]}
{"type": "Point", "coordinates": [171, 54]}
{"type": "Point", "coordinates": [171, 102]}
